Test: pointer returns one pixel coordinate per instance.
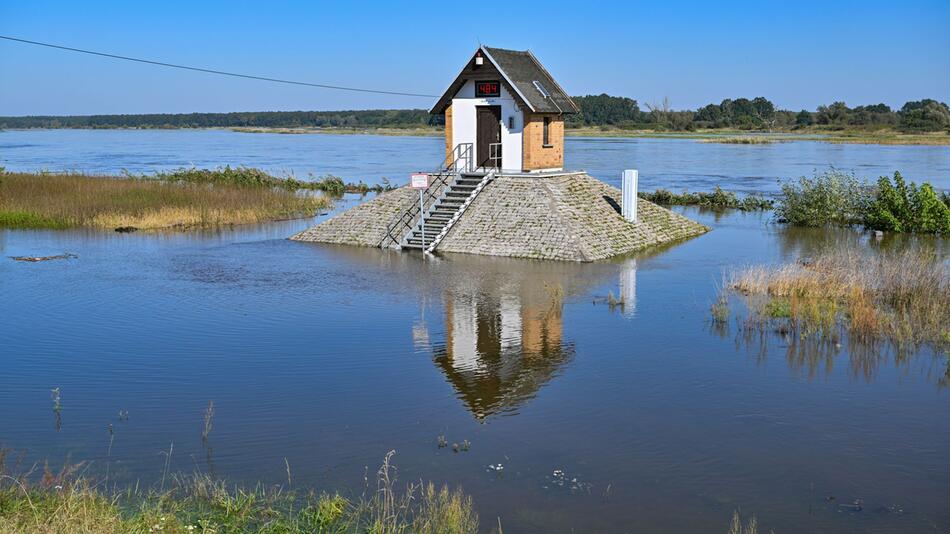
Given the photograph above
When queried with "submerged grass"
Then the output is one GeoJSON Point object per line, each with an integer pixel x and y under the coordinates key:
{"type": "Point", "coordinates": [58, 201]}
{"type": "Point", "coordinates": [250, 177]}
{"type": "Point", "coordinates": [899, 297]}
{"type": "Point", "coordinates": [717, 200]}
{"type": "Point", "coordinates": [199, 503]}
{"type": "Point", "coordinates": [743, 140]}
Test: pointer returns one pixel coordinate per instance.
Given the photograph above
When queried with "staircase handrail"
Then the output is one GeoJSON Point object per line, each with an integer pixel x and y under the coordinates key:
{"type": "Point", "coordinates": [458, 161]}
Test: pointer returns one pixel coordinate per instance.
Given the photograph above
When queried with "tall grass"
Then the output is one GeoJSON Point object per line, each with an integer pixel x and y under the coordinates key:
{"type": "Point", "coordinates": [70, 200]}
{"type": "Point", "coordinates": [899, 297]}
{"type": "Point", "coordinates": [58, 503]}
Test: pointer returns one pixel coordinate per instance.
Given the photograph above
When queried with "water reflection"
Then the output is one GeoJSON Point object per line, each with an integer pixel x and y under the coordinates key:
{"type": "Point", "coordinates": [502, 344]}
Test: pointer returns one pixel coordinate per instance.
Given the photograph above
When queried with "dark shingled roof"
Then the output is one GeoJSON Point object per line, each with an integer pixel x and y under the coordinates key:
{"type": "Point", "coordinates": [520, 70]}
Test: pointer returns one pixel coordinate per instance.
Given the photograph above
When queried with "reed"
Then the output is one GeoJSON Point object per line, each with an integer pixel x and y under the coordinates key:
{"type": "Point", "coordinates": [58, 201]}
{"type": "Point", "coordinates": [902, 297]}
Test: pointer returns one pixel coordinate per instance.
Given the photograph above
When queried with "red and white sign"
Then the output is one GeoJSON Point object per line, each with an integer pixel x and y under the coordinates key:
{"type": "Point", "coordinates": [419, 181]}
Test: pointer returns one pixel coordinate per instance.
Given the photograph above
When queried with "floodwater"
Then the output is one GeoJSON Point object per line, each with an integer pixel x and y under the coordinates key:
{"type": "Point", "coordinates": [327, 357]}
{"type": "Point", "coordinates": [674, 164]}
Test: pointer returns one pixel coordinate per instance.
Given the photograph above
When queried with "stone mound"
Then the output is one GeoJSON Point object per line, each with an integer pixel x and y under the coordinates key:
{"type": "Point", "coordinates": [571, 217]}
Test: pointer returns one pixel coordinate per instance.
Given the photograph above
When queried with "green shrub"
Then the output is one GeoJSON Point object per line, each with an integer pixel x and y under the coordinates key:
{"type": "Point", "coordinates": [899, 207]}
{"type": "Point", "coordinates": [832, 197]}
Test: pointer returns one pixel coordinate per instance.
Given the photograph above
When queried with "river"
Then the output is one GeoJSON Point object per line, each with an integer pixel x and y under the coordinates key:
{"type": "Point", "coordinates": [327, 357]}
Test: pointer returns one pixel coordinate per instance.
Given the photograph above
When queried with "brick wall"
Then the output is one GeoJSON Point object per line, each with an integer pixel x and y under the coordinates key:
{"type": "Point", "coordinates": [448, 132]}
{"type": "Point", "coordinates": [535, 154]}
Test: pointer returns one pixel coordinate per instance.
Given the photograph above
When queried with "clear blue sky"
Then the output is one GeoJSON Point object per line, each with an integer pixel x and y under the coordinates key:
{"type": "Point", "coordinates": [799, 54]}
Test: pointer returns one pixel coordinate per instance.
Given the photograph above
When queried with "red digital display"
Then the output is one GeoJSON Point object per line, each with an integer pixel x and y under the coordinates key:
{"type": "Point", "coordinates": [487, 89]}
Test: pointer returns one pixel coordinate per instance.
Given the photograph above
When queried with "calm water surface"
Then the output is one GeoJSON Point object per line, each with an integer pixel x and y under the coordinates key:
{"type": "Point", "coordinates": [671, 163]}
{"type": "Point", "coordinates": [329, 357]}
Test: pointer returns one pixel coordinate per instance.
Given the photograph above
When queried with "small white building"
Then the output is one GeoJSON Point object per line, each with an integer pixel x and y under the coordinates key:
{"type": "Point", "coordinates": [509, 110]}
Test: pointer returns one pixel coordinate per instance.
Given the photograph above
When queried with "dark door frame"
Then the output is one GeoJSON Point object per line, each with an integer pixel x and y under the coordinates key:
{"type": "Point", "coordinates": [487, 131]}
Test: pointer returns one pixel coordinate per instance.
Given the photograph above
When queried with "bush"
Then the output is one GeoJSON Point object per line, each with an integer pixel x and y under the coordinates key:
{"type": "Point", "coordinates": [832, 197]}
{"type": "Point", "coordinates": [899, 207]}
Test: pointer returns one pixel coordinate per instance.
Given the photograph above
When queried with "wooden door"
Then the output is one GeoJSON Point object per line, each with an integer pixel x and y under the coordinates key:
{"type": "Point", "coordinates": [488, 132]}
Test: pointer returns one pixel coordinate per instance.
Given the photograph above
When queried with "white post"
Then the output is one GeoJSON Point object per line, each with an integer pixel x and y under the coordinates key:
{"type": "Point", "coordinates": [422, 222]}
{"type": "Point", "coordinates": [628, 206]}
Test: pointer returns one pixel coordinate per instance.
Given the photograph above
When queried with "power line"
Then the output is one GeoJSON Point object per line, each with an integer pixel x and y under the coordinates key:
{"type": "Point", "coordinates": [213, 71]}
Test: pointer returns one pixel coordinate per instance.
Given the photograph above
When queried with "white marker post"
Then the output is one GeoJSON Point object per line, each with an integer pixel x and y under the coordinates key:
{"type": "Point", "coordinates": [420, 181]}
{"type": "Point", "coordinates": [628, 206]}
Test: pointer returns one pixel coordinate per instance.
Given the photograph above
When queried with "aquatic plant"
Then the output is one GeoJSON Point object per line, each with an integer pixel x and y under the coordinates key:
{"type": "Point", "coordinates": [751, 526]}
{"type": "Point", "coordinates": [208, 417]}
{"type": "Point", "coordinates": [902, 297]}
{"type": "Point", "coordinates": [59, 201]}
{"type": "Point", "coordinates": [832, 197]}
{"type": "Point", "coordinates": [256, 178]}
{"type": "Point", "coordinates": [720, 310]}
{"type": "Point", "coordinates": [742, 140]}
{"type": "Point", "coordinates": [836, 198]}
{"type": "Point", "coordinates": [899, 207]}
{"type": "Point", "coordinates": [717, 200]}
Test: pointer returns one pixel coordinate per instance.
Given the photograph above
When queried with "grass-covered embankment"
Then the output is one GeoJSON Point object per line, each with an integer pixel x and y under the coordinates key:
{"type": "Point", "coordinates": [199, 504]}
{"type": "Point", "coordinates": [59, 201]}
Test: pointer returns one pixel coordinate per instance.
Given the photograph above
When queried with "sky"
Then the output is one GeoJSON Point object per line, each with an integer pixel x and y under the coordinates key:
{"type": "Point", "coordinates": [798, 54]}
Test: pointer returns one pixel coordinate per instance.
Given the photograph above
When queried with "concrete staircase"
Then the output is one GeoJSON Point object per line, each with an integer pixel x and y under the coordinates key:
{"type": "Point", "coordinates": [442, 214]}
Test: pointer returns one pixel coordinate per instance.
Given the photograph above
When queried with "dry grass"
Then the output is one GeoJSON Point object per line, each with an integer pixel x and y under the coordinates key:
{"type": "Point", "coordinates": [72, 200]}
{"type": "Point", "coordinates": [902, 297]}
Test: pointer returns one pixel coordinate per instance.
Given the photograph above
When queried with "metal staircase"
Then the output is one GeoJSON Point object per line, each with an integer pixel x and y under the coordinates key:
{"type": "Point", "coordinates": [449, 194]}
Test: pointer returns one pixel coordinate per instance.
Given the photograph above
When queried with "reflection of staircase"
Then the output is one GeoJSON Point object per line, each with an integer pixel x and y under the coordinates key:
{"type": "Point", "coordinates": [443, 213]}
{"type": "Point", "coordinates": [449, 194]}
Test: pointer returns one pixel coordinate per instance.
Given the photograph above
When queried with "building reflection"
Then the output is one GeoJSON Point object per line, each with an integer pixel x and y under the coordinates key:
{"type": "Point", "coordinates": [501, 346]}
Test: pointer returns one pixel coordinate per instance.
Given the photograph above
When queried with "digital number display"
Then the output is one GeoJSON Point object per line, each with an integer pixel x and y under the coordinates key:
{"type": "Point", "coordinates": [487, 89]}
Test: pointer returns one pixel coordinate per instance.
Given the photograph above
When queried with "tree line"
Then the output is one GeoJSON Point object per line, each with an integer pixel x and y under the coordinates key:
{"type": "Point", "coordinates": [596, 110]}
{"type": "Point", "coordinates": [757, 114]}
{"type": "Point", "coordinates": [373, 118]}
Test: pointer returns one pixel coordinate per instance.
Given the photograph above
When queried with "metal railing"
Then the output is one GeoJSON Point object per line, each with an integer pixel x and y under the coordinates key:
{"type": "Point", "coordinates": [494, 155]}
{"type": "Point", "coordinates": [460, 160]}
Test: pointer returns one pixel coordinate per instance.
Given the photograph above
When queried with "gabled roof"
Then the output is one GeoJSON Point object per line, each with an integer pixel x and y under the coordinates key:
{"type": "Point", "coordinates": [522, 74]}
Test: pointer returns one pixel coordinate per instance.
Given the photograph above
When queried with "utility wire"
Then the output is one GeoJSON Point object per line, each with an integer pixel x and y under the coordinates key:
{"type": "Point", "coordinates": [220, 72]}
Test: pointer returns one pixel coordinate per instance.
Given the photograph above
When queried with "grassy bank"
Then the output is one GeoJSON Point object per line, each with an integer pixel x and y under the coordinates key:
{"type": "Point", "coordinates": [199, 504]}
{"type": "Point", "coordinates": [59, 201]}
{"type": "Point", "coordinates": [897, 297]}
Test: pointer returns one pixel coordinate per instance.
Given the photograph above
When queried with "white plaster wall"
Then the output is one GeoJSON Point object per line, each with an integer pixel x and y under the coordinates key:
{"type": "Point", "coordinates": [463, 123]}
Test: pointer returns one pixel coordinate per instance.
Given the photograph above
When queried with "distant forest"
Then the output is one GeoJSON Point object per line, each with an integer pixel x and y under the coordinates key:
{"type": "Point", "coordinates": [596, 111]}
